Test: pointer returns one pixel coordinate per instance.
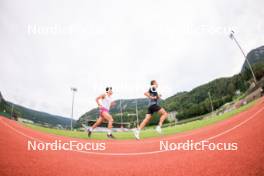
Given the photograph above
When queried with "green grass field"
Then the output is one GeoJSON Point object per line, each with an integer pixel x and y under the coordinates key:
{"type": "Point", "coordinates": [148, 133]}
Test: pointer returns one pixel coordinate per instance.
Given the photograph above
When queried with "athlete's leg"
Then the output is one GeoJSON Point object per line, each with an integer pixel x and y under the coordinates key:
{"type": "Point", "coordinates": [145, 121]}
{"type": "Point", "coordinates": [109, 118]}
{"type": "Point", "coordinates": [98, 122]}
{"type": "Point", "coordinates": [142, 125]}
{"type": "Point", "coordinates": [163, 115]}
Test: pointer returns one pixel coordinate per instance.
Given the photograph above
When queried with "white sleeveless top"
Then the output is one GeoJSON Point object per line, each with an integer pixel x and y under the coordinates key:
{"type": "Point", "coordinates": [106, 102]}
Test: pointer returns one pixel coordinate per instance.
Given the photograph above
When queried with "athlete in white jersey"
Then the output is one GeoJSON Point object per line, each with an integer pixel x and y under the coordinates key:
{"type": "Point", "coordinates": [104, 102]}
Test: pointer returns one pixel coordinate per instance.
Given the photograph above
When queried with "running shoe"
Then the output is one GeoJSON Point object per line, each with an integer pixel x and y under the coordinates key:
{"type": "Point", "coordinates": [89, 133]}
{"type": "Point", "coordinates": [136, 133]}
{"type": "Point", "coordinates": [158, 129]}
{"type": "Point", "coordinates": [110, 136]}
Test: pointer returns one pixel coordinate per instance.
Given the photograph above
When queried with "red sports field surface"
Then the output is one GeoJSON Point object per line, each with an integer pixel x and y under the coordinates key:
{"type": "Point", "coordinates": [143, 157]}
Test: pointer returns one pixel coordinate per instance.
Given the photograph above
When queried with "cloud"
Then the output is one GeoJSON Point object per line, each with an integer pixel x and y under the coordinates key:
{"type": "Point", "coordinates": [48, 46]}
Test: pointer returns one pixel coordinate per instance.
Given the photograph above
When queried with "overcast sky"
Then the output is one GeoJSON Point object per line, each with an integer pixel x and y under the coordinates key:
{"type": "Point", "coordinates": [48, 46]}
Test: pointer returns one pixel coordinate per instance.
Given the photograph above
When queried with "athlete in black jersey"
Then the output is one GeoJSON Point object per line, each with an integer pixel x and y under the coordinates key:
{"type": "Point", "coordinates": [154, 97]}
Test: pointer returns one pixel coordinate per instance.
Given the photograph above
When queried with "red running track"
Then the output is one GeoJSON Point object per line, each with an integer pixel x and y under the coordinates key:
{"type": "Point", "coordinates": [131, 157]}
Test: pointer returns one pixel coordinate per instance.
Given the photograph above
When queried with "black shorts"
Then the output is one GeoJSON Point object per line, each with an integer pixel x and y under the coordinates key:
{"type": "Point", "coordinates": [153, 108]}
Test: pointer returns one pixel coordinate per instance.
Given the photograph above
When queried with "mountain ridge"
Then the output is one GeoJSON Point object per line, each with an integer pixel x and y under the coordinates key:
{"type": "Point", "coordinates": [33, 115]}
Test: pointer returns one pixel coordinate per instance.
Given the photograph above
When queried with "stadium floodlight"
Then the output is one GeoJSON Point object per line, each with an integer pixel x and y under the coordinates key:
{"type": "Point", "coordinates": [211, 102]}
{"type": "Point", "coordinates": [232, 37]}
{"type": "Point", "coordinates": [73, 89]}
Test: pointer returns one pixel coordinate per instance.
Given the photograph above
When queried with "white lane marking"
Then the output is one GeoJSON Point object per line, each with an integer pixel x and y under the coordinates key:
{"type": "Point", "coordinates": [238, 125]}
{"type": "Point", "coordinates": [153, 140]}
{"type": "Point", "coordinates": [140, 153]}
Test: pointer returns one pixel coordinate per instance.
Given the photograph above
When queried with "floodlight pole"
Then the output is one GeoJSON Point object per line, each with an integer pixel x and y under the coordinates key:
{"type": "Point", "coordinates": [121, 113]}
{"type": "Point", "coordinates": [73, 94]}
{"type": "Point", "coordinates": [12, 110]}
{"type": "Point", "coordinates": [137, 112]}
{"type": "Point", "coordinates": [232, 37]}
{"type": "Point", "coordinates": [211, 102]}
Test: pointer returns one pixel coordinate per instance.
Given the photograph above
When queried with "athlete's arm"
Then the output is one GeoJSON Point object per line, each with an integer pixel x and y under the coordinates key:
{"type": "Point", "coordinates": [147, 94]}
{"type": "Point", "coordinates": [98, 98]}
{"type": "Point", "coordinates": [112, 104]}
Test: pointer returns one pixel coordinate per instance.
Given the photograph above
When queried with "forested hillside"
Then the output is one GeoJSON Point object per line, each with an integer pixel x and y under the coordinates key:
{"type": "Point", "coordinates": [35, 116]}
